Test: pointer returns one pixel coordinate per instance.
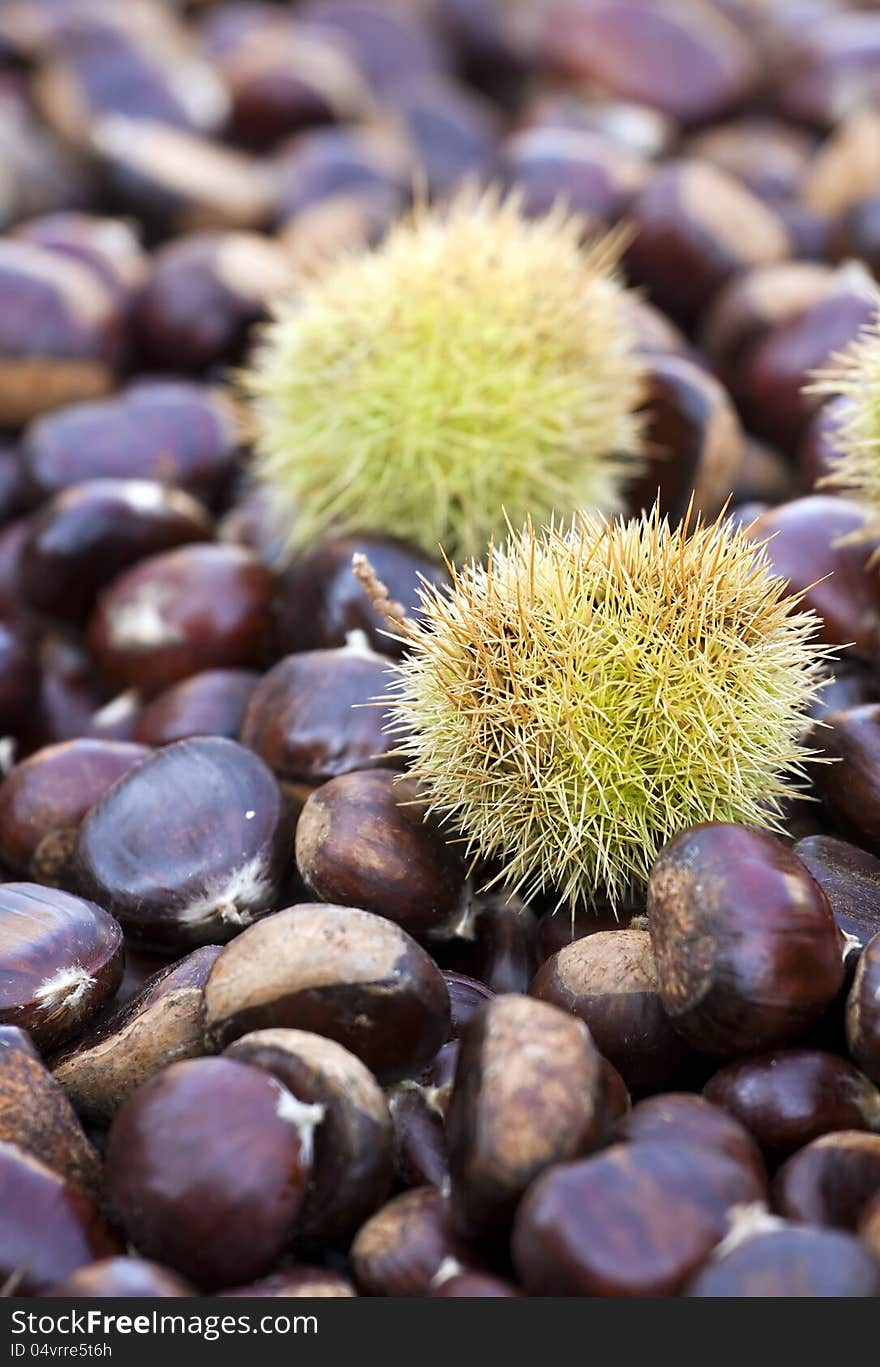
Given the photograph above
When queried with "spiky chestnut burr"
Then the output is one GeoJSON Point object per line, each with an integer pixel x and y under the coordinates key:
{"type": "Point", "coordinates": [475, 361]}
{"type": "Point", "coordinates": [589, 692]}
{"type": "Point", "coordinates": [854, 376]}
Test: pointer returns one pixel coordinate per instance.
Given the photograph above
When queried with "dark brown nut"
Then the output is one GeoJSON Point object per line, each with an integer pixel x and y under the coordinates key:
{"type": "Point", "coordinates": [70, 694]}
{"type": "Point", "coordinates": [863, 1011]}
{"type": "Point", "coordinates": [497, 945]}
{"type": "Point", "coordinates": [869, 1227]}
{"type": "Point", "coordinates": [189, 847]}
{"type": "Point", "coordinates": [471, 1285]}
{"type": "Point", "coordinates": [850, 879]}
{"type": "Point", "coordinates": [120, 1277]}
{"type": "Point", "coordinates": [793, 1096]}
{"type": "Point", "coordinates": [466, 996]}
{"type": "Point", "coordinates": [776, 370]}
{"type": "Point", "coordinates": [831, 68]}
{"type": "Point", "coordinates": [344, 163]}
{"type": "Point", "coordinates": [202, 295]}
{"type": "Point", "coordinates": [361, 842]}
{"type": "Point", "coordinates": [208, 704]}
{"type": "Point", "coordinates": [418, 1123]}
{"type": "Point", "coordinates": [174, 181]}
{"type": "Point", "coordinates": [298, 1280]}
{"type": "Point", "coordinates": [60, 961]}
{"type": "Point", "coordinates": [86, 535]}
{"type": "Point", "coordinates": [439, 1075]}
{"type": "Point", "coordinates": [175, 614]}
{"type": "Point", "coordinates": [768, 155]}
{"type": "Point", "coordinates": [680, 56]}
{"type": "Point", "coordinates": [352, 1159]}
{"type": "Point", "coordinates": [527, 1094]}
{"type": "Point", "coordinates": [818, 454]}
{"type": "Point", "coordinates": [19, 676]}
{"type": "Point", "coordinates": [50, 1226]}
{"type": "Point", "coordinates": [59, 337]}
{"type": "Point", "coordinates": [655, 334]}
{"type": "Point", "coordinates": [161, 1024]}
{"type": "Point", "coordinates": [851, 684]}
{"type": "Point", "coordinates": [683, 1118]}
{"type": "Point", "coordinates": [401, 1248]}
{"type": "Point", "coordinates": [594, 175]}
{"type": "Point", "coordinates": [495, 46]}
{"type": "Point", "coordinates": [207, 1165]}
{"type": "Point", "coordinates": [693, 437]}
{"type": "Point", "coordinates": [694, 227]}
{"type": "Point", "coordinates": [747, 951]}
{"type": "Point", "coordinates": [782, 1260]}
{"type": "Point", "coordinates": [336, 971]}
{"type": "Point", "coordinates": [108, 246]}
{"type": "Point", "coordinates": [635, 1220]}
{"type": "Point", "coordinates": [36, 1115]}
{"type": "Point", "coordinates": [609, 981]}
{"type": "Point", "coordinates": [752, 304]}
{"type": "Point", "coordinates": [320, 602]}
{"type": "Point", "coordinates": [807, 544]}
{"type": "Point", "coordinates": [453, 130]}
{"type": "Point", "coordinates": [849, 789]}
{"type": "Point", "coordinates": [168, 430]}
{"type": "Point", "coordinates": [308, 717]}
{"type": "Point", "coordinates": [830, 1181]}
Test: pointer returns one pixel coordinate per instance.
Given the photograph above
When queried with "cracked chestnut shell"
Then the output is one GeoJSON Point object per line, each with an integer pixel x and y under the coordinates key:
{"type": "Point", "coordinates": [188, 847]}
{"type": "Point", "coordinates": [334, 971]}
{"type": "Point", "coordinates": [61, 960]}
{"type": "Point", "coordinates": [747, 950]}
{"type": "Point", "coordinates": [361, 842]}
{"type": "Point", "coordinates": [206, 1169]}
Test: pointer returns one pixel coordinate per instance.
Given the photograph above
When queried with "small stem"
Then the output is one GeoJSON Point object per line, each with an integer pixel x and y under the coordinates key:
{"type": "Point", "coordinates": [378, 596]}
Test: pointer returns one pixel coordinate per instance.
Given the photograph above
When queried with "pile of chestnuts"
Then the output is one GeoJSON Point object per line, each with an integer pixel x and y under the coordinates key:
{"type": "Point", "coordinates": [271, 1024]}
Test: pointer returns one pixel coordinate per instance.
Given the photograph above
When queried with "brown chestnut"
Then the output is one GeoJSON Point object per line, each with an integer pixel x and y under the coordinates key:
{"type": "Point", "coordinates": [527, 1094]}
{"type": "Point", "coordinates": [60, 961]}
{"type": "Point", "coordinates": [850, 879]}
{"type": "Point", "coordinates": [466, 996]}
{"type": "Point", "coordinates": [850, 788]}
{"type": "Point", "coordinates": [336, 971]}
{"type": "Point", "coordinates": [783, 1260]}
{"type": "Point", "coordinates": [748, 954]}
{"type": "Point", "coordinates": [401, 1248]}
{"type": "Point", "coordinates": [36, 1115]}
{"type": "Point", "coordinates": [863, 1011]}
{"type": "Point", "coordinates": [108, 246]}
{"type": "Point", "coordinates": [120, 1277]}
{"type": "Point", "coordinates": [469, 1284]}
{"type": "Point", "coordinates": [189, 846]}
{"type": "Point", "coordinates": [211, 703]}
{"type": "Point", "coordinates": [609, 981]}
{"type": "Point", "coordinates": [297, 1280]}
{"type": "Point", "coordinates": [361, 842]}
{"type": "Point", "coordinates": [635, 1220]}
{"type": "Point", "coordinates": [594, 175]}
{"type": "Point", "coordinates": [160, 1024]}
{"type": "Point", "coordinates": [352, 1161]}
{"type": "Point", "coordinates": [496, 943]}
{"type": "Point", "coordinates": [830, 1181]}
{"type": "Point", "coordinates": [788, 1098]}
{"type": "Point", "coordinates": [684, 1118]}
{"type": "Point", "coordinates": [418, 1123]}
{"type": "Point", "coordinates": [207, 1165]}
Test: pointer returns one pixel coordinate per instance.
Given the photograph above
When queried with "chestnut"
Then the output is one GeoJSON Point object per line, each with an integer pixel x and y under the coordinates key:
{"type": "Point", "coordinates": [320, 601]}
{"type": "Point", "coordinates": [807, 545]}
{"type": "Point", "coordinates": [863, 1011]}
{"type": "Point", "coordinates": [108, 246]}
{"type": "Point", "coordinates": [693, 436]}
{"type": "Point", "coordinates": [496, 943]}
{"type": "Point", "coordinates": [202, 294]}
{"type": "Point", "coordinates": [818, 454]}
{"type": "Point", "coordinates": [86, 535]}
{"type": "Point", "coordinates": [764, 478]}
{"type": "Point", "coordinates": [747, 952]}
{"type": "Point", "coordinates": [783, 1260]}
{"type": "Point", "coordinates": [211, 703]}
{"type": "Point", "coordinates": [50, 1226]}
{"type": "Point", "coordinates": [189, 846]}
{"type": "Point", "coordinates": [526, 1070]}
{"type": "Point", "coordinates": [36, 1115]}
{"type": "Point", "coordinates": [60, 332]}
{"type": "Point", "coordinates": [635, 1220]}
{"type": "Point", "coordinates": [790, 1097]}
{"type": "Point", "coordinates": [594, 175]}
{"type": "Point", "coordinates": [558, 929]}
{"type": "Point", "coordinates": [158, 1025]}
{"type": "Point", "coordinates": [361, 841]}
{"type": "Point", "coordinates": [466, 996]}
{"type": "Point", "coordinates": [340, 972]}
{"type": "Point", "coordinates": [387, 42]}
{"type": "Point", "coordinates": [19, 676]}
{"type": "Point", "coordinates": [849, 789]}
{"type": "Point", "coordinates": [352, 1154]}
{"type": "Point", "coordinates": [615, 1101]}
{"type": "Point", "coordinates": [418, 1124]}
{"type": "Point", "coordinates": [681, 57]}
{"type": "Point", "coordinates": [869, 1227]}
{"type": "Point", "coordinates": [609, 981]}
{"type": "Point", "coordinates": [830, 1181]}
{"type": "Point", "coordinates": [308, 720]}
{"type": "Point", "coordinates": [470, 1285]}
{"type": "Point", "coordinates": [850, 879]}
{"type": "Point", "coordinates": [120, 1277]}
{"type": "Point", "coordinates": [174, 614]}
{"type": "Point", "coordinates": [207, 1165]}
{"type": "Point", "coordinates": [60, 961]}
{"type": "Point", "coordinates": [345, 221]}
{"type": "Point", "coordinates": [684, 1118]}
{"type": "Point", "coordinates": [401, 1248]}
{"type": "Point", "coordinates": [174, 431]}
{"type": "Point", "coordinates": [365, 166]}
{"type": "Point", "coordinates": [694, 228]}
{"type": "Point", "coordinates": [297, 1280]}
